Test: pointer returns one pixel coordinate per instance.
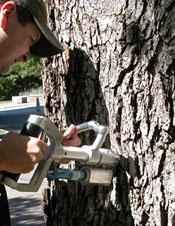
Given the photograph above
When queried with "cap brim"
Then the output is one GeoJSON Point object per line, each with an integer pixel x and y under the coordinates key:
{"type": "Point", "coordinates": [47, 45]}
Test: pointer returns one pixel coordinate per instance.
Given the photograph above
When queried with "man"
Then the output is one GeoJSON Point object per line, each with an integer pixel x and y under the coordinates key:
{"type": "Point", "coordinates": [24, 30]}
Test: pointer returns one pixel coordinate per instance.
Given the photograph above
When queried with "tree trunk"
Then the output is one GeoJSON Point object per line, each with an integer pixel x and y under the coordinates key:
{"type": "Point", "coordinates": [117, 69]}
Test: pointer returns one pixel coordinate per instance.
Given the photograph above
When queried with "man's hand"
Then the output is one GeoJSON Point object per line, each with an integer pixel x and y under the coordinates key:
{"type": "Point", "coordinates": [70, 137]}
{"type": "Point", "coordinates": [19, 154]}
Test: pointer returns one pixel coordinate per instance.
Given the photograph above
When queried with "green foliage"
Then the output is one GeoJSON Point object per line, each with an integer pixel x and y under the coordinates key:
{"type": "Point", "coordinates": [2, 132]}
{"type": "Point", "coordinates": [20, 78]}
{"type": "Point", "coordinates": [31, 91]}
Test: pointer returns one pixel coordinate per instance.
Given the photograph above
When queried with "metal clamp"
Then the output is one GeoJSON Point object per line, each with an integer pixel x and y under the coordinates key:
{"type": "Point", "coordinates": [92, 155]}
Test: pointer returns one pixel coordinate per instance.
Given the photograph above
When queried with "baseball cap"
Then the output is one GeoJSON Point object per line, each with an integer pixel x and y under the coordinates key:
{"type": "Point", "coordinates": [48, 44]}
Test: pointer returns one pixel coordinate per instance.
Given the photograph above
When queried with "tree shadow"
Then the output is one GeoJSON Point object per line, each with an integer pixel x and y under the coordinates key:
{"type": "Point", "coordinates": [85, 102]}
{"type": "Point", "coordinates": [31, 215]}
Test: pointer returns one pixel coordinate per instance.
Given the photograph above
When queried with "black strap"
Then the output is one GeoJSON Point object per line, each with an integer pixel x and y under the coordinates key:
{"type": "Point", "coordinates": [4, 208]}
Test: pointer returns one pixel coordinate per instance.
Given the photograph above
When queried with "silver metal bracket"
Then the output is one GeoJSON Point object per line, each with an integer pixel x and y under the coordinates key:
{"type": "Point", "coordinates": [92, 157]}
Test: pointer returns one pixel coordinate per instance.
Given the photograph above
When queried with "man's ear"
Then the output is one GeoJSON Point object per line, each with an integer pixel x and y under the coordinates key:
{"type": "Point", "coordinates": [6, 11]}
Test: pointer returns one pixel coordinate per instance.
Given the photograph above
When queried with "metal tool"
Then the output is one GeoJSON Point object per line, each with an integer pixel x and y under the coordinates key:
{"type": "Point", "coordinates": [97, 162]}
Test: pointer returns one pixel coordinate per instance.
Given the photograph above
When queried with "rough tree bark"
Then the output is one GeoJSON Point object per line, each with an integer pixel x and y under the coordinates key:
{"type": "Point", "coordinates": [117, 69]}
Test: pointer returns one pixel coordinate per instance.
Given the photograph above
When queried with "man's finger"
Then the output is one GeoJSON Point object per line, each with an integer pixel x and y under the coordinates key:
{"type": "Point", "coordinates": [69, 132]}
{"type": "Point", "coordinates": [73, 141]}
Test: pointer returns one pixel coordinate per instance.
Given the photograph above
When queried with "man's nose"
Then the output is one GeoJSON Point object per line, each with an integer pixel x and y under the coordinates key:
{"type": "Point", "coordinates": [25, 57]}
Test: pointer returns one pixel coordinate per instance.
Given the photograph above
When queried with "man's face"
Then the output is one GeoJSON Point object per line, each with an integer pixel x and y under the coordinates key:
{"type": "Point", "coordinates": [16, 42]}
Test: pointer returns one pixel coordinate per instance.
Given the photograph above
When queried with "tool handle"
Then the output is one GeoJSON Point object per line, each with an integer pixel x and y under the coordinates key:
{"type": "Point", "coordinates": [44, 129]}
{"type": "Point", "coordinates": [28, 129]}
{"type": "Point", "coordinates": [97, 128]}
